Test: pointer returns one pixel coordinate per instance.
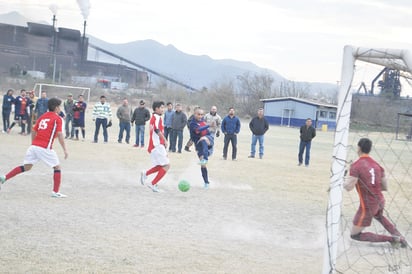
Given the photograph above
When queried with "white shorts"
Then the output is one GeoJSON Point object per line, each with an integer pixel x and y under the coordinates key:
{"type": "Point", "coordinates": [36, 153]}
{"type": "Point", "coordinates": [159, 156]}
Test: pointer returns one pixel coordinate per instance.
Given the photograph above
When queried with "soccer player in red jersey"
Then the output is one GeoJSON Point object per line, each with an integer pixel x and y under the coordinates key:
{"type": "Point", "coordinates": [369, 179]}
{"type": "Point", "coordinates": [157, 147]}
{"type": "Point", "coordinates": [203, 140]}
{"type": "Point", "coordinates": [46, 129]}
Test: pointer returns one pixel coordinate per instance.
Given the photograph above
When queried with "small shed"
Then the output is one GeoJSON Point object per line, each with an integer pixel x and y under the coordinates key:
{"type": "Point", "coordinates": [293, 112]}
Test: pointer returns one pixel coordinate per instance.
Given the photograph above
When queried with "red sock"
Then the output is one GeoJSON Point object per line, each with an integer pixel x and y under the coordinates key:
{"type": "Point", "coordinates": [153, 170]}
{"type": "Point", "coordinates": [14, 172]}
{"type": "Point", "coordinates": [159, 176]}
{"type": "Point", "coordinates": [57, 177]}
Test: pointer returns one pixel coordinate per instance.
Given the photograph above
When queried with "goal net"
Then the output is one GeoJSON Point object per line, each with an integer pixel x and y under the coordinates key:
{"type": "Point", "coordinates": [381, 112]}
{"type": "Point", "coordinates": [61, 91]}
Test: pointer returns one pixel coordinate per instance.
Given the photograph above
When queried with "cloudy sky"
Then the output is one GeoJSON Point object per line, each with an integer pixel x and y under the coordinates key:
{"type": "Point", "coordinates": [302, 40]}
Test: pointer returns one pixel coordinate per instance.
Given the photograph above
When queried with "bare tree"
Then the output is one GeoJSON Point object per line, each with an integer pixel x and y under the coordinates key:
{"type": "Point", "coordinates": [251, 89]}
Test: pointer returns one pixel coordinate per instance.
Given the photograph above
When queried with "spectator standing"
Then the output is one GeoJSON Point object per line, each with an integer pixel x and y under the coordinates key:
{"type": "Point", "coordinates": [307, 133]}
{"type": "Point", "coordinates": [140, 116]}
{"type": "Point", "coordinates": [79, 113]}
{"type": "Point", "coordinates": [41, 105]}
{"type": "Point", "coordinates": [168, 119]}
{"type": "Point", "coordinates": [68, 110]}
{"type": "Point", "coordinates": [179, 121]}
{"type": "Point", "coordinates": [21, 114]}
{"type": "Point", "coordinates": [230, 128]}
{"type": "Point", "coordinates": [258, 125]}
{"type": "Point", "coordinates": [191, 117]}
{"type": "Point", "coordinates": [8, 100]}
{"type": "Point", "coordinates": [124, 115]}
{"type": "Point", "coordinates": [213, 118]}
{"type": "Point", "coordinates": [102, 115]}
{"type": "Point", "coordinates": [31, 110]}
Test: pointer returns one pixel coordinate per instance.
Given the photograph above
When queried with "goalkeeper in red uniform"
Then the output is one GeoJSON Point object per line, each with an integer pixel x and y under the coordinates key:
{"type": "Point", "coordinates": [46, 129]}
{"type": "Point", "coordinates": [369, 179]}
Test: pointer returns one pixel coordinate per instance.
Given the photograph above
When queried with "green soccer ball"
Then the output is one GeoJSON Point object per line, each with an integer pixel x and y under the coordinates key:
{"type": "Point", "coordinates": [184, 186]}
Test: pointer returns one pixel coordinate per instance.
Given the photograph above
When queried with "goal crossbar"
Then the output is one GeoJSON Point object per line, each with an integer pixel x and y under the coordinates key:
{"type": "Point", "coordinates": [40, 86]}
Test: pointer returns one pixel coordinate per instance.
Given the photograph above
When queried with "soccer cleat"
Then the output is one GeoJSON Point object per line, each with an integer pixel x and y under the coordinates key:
{"type": "Point", "coordinates": [404, 243]}
{"type": "Point", "coordinates": [202, 162]}
{"type": "Point", "coordinates": [155, 188]}
{"type": "Point", "coordinates": [398, 241]}
{"type": "Point", "coordinates": [58, 195]}
{"type": "Point", "coordinates": [143, 177]}
{"type": "Point", "coordinates": [2, 179]}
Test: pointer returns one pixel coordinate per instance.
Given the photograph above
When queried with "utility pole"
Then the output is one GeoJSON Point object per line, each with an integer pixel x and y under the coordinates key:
{"type": "Point", "coordinates": [54, 48]}
{"type": "Point", "coordinates": [53, 9]}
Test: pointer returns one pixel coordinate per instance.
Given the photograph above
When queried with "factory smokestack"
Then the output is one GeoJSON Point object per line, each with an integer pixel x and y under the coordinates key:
{"type": "Point", "coordinates": [84, 6]}
{"type": "Point", "coordinates": [84, 28]}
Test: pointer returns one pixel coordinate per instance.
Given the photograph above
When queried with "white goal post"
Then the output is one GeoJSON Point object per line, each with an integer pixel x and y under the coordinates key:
{"type": "Point", "coordinates": [39, 87]}
{"type": "Point", "coordinates": [398, 59]}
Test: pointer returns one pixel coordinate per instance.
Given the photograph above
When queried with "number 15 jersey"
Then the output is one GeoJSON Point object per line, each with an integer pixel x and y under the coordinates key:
{"type": "Point", "coordinates": [47, 127]}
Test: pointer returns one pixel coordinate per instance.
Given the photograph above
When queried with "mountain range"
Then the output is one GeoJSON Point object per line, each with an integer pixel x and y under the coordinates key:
{"type": "Point", "coordinates": [197, 71]}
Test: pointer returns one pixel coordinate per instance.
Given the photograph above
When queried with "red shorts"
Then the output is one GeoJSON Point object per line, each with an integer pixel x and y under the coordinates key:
{"type": "Point", "coordinates": [364, 216]}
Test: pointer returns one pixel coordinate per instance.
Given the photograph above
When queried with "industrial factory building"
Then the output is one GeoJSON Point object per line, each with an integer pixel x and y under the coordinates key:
{"type": "Point", "coordinates": [40, 50]}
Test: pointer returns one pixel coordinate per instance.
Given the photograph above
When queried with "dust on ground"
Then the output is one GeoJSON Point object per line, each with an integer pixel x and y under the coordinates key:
{"type": "Point", "coordinates": [259, 216]}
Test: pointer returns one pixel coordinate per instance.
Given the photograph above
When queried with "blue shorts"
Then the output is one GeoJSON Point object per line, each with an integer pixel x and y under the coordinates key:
{"type": "Point", "coordinates": [78, 123]}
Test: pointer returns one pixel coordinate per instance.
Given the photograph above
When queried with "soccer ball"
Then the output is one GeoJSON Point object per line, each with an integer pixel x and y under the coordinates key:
{"type": "Point", "coordinates": [184, 186]}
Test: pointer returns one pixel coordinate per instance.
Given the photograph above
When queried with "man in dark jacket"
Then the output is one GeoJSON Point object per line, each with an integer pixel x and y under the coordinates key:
{"type": "Point", "coordinates": [179, 121]}
{"type": "Point", "coordinates": [307, 133]}
{"type": "Point", "coordinates": [139, 117]}
{"type": "Point", "coordinates": [68, 110]}
{"type": "Point", "coordinates": [258, 125]}
{"type": "Point", "coordinates": [41, 105]}
{"type": "Point", "coordinates": [230, 128]}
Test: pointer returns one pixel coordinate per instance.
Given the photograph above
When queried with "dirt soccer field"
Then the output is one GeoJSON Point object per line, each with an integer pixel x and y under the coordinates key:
{"type": "Point", "coordinates": [259, 216]}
